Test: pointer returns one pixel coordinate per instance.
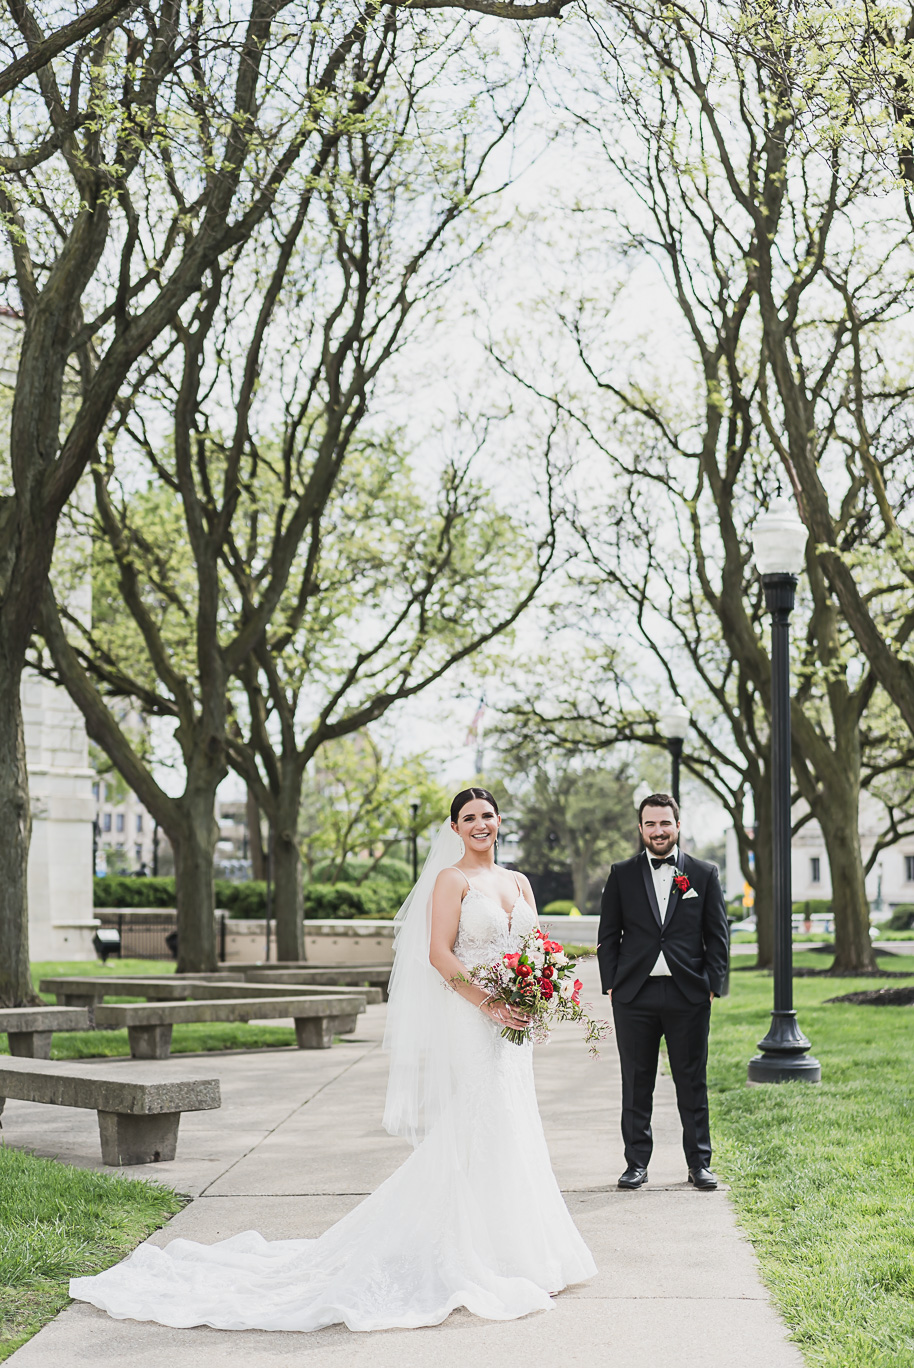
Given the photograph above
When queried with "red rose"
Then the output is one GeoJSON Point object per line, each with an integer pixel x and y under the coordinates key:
{"type": "Point", "coordinates": [548, 971]}
{"type": "Point", "coordinates": [512, 961]}
{"type": "Point", "coordinates": [576, 995]}
{"type": "Point", "coordinates": [524, 970]}
{"type": "Point", "coordinates": [682, 882]}
{"type": "Point", "coordinates": [546, 989]}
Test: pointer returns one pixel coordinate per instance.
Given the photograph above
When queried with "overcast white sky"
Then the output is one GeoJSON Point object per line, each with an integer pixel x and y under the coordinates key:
{"type": "Point", "coordinates": [447, 369]}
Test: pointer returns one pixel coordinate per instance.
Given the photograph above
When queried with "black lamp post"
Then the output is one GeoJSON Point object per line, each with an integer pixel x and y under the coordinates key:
{"type": "Point", "coordinates": [674, 724]}
{"type": "Point", "coordinates": [414, 838]}
{"type": "Point", "coordinates": [780, 543]}
{"type": "Point", "coordinates": [641, 792]}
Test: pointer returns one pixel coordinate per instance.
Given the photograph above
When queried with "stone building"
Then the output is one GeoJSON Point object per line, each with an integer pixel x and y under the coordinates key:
{"type": "Point", "coordinates": [890, 882]}
{"type": "Point", "coordinates": [61, 924]}
{"type": "Point", "coordinates": [126, 838]}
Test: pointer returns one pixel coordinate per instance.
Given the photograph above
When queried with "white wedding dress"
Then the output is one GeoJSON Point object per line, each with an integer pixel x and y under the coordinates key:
{"type": "Point", "coordinates": [474, 1217]}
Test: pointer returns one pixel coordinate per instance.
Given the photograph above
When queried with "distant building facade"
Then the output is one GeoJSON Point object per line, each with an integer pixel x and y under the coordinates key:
{"type": "Point", "coordinates": [890, 882]}
{"type": "Point", "coordinates": [233, 854]}
{"type": "Point", "coordinates": [126, 839]}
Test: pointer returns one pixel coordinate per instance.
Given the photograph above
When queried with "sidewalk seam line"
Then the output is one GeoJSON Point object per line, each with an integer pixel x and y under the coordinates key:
{"type": "Point", "coordinates": [351, 1065]}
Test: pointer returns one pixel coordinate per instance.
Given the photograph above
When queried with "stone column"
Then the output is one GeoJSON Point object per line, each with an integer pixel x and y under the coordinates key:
{"type": "Point", "coordinates": [61, 922]}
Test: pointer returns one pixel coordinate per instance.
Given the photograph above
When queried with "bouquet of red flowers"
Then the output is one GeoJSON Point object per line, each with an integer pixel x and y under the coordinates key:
{"type": "Point", "coordinates": [538, 980]}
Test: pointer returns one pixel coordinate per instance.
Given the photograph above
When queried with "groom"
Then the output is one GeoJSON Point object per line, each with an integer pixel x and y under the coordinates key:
{"type": "Point", "coordinates": [663, 950]}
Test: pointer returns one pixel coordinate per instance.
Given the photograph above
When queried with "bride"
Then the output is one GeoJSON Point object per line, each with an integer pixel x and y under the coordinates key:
{"type": "Point", "coordinates": [474, 1217]}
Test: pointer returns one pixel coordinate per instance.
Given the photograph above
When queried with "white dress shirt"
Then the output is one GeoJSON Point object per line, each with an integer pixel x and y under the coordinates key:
{"type": "Point", "coordinates": [663, 882]}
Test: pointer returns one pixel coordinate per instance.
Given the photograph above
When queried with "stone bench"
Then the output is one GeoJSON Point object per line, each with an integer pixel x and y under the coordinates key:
{"type": "Point", "coordinates": [317, 1019]}
{"type": "Point", "coordinates": [88, 990]}
{"type": "Point", "coordinates": [265, 986]}
{"type": "Point", "coordinates": [367, 975]}
{"type": "Point", "coordinates": [137, 1117]}
{"type": "Point", "coordinates": [29, 1029]}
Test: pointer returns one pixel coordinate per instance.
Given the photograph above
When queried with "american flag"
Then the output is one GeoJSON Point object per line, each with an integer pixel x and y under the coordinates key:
{"type": "Point", "coordinates": [476, 724]}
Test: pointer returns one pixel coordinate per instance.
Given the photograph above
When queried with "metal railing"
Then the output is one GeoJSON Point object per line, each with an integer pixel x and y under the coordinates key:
{"type": "Point", "coordinates": [152, 937]}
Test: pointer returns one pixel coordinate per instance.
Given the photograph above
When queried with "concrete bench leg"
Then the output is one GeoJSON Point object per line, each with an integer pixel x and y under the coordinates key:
{"type": "Point", "coordinates": [30, 1044]}
{"type": "Point", "coordinates": [76, 1000]}
{"type": "Point", "coordinates": [149, 1042]}
{"type": "Point", "coordinates": [344, 1025]}
{"type": "Point", "coordinates": [314, 1033]}
{"type": "Point", "coordinates": [137, 1139]}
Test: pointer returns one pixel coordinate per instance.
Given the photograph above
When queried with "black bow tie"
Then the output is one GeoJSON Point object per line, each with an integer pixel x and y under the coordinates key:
{"type": "Point", "coordinates": [670, 859]}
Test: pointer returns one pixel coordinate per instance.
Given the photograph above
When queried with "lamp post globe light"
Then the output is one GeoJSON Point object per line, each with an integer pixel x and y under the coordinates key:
{"type": "Point", "coordinates": [674, 723]}
{"type": "Point", "coordinates": [779, 541]}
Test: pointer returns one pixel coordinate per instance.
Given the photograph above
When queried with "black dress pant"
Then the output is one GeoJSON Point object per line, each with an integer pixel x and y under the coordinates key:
{"type": "Point", "coordinates": [660, 1009]}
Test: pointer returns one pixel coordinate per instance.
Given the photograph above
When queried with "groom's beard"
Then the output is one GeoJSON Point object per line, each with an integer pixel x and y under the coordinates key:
{"type": "Point", "coordinates": [659, 845]}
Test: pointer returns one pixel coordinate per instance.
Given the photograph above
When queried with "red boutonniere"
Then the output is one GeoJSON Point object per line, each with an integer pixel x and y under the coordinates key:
{"type": "Point", "coordinates": [682, 882]}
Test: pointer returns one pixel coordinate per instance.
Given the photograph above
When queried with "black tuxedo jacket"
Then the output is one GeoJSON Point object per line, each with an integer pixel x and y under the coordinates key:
{"type": "Point", "coordinates": [693, 936]}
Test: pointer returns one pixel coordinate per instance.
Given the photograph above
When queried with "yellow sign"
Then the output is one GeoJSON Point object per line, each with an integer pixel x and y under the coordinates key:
{"type": "Point", "coordinates": [748, 895]}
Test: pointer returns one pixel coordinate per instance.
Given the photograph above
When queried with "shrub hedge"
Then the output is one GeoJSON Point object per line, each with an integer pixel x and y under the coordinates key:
{"type": "Point", "coordinates": [560, 908]}
{"type": "Point", "coordinates": [373, 898]}
{"type": "Point", "coordinates": [117, 890]}
{"type": "Point", "coordinates": [376, 897]}
{"type": "Point", "coordinates": [813, 907]}
{"type": "Point", "coordinates": [902, 918]}
{"type": "Point", "coordinates": [390, 870]}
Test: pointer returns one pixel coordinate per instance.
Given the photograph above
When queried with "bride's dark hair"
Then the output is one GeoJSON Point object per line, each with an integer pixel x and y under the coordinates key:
{"type": "Point", "coordinates": [466, 796]}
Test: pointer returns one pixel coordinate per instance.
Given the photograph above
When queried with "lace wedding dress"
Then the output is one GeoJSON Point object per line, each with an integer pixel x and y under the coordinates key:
{"type": "Point", "coordinates": [473, 1218]}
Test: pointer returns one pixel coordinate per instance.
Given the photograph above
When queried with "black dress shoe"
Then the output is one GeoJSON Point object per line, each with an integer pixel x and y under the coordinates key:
{"type": "Point", "coordinates": [633, 1177]}
{"type": "Point", "coordinates": [703, 1179]}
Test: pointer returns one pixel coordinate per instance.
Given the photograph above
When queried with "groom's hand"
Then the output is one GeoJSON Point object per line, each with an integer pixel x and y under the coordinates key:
{"type": "Point", "coordinates": [713, 995]}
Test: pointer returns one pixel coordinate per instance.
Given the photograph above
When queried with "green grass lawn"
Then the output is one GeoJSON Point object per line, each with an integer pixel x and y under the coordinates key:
{"type": "Point", "coordinates": [58, 1222]}
{"type": "Point", "coordinates": [799, 937]}
{"type": "Point", "coordinates": [822, 1177]}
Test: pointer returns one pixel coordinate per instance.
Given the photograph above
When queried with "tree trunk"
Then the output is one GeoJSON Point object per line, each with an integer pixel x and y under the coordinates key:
{"type": "Point", "coordinates": [287, 899]}
{"type": "Point", "coordinates": [255, 839]}
{"type": "Point", "coordinates": [287, 880]}
{"type": "Point", "coordinates": [16, 828]}
{"type": "Point", "coordinates": [194, 842]}
{"type": "Point", "coordinates": [838, 816]}
{"type": "Point", "coordinates": [579, 880]}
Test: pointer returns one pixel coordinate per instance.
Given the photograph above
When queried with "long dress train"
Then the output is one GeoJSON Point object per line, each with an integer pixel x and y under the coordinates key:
{"type": "Point", "coordinates": [473, 1218]}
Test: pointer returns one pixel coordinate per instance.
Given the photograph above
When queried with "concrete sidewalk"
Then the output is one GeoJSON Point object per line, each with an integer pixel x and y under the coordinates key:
{"type": "Point", "coordinates": [297, 1143]}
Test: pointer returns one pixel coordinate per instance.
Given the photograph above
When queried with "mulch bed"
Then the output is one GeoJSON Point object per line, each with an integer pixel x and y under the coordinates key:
{"type": "Point", "coordinates": [879, 997]}
{"type": "Point", "coordinates": [858, 973]}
